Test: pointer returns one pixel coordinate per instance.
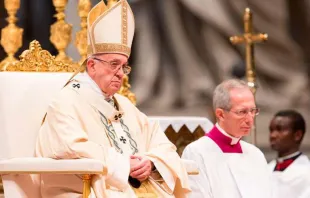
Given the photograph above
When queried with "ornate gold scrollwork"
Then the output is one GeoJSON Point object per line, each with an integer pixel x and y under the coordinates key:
{"type": "Point", "coordinates": [35, 59]}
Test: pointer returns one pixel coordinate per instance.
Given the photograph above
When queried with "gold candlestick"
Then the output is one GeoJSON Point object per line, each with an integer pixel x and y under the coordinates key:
{"type": "Point", "coordinates": [61, 32]}
{"type": "Point", "coordinates": [81, 36]}
{"type": "Point", "coordinates": [11, 39]}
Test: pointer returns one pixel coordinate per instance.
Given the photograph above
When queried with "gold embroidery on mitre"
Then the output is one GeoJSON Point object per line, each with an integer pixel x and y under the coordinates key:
{"type": "Point", "coordinates": [109, 48]}
{"type": "Point", "coordinates": [124, 23]}
{"type": "Point", "coordinates": [36, 59]}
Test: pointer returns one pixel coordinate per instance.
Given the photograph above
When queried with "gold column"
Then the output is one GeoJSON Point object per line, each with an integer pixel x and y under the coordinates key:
{"type": "Point", "coordinates": [61, 32]}
{"type": "Point", "coordinates": [11, 39]}
{"type": "Point", "coordinates": [81, 36]}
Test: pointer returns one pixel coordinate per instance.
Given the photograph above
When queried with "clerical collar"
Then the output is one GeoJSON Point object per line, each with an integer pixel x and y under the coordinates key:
{"type": "Point", "coordinates": [94, 85]}
{"type": "Point", "coordinates": [234, 140]}
{"type": "Point", "coordinates": [290, 156]}
{"type": "Point", "coordinates": [224, 141]}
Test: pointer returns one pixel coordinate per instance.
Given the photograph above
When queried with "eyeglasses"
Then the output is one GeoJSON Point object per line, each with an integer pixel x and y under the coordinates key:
{"type": "Point", "coordinates": [116, 65]}
{"type": "Point", "coordinates": [245, 112]}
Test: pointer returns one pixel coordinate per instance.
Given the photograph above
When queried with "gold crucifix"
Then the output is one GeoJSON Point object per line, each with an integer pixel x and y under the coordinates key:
{"type": "Point", "coordinates": [249, 38]}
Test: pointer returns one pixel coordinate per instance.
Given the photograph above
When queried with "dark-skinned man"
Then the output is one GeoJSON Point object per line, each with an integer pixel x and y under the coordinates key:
{"type": "Point", "coordinates": [291, 169]}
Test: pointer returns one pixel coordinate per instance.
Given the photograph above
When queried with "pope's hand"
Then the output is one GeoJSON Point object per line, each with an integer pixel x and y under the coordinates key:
{"type": "Point", "coordinates": [133, 162]}
{"type": "Point", "coordinates": [142, 170]}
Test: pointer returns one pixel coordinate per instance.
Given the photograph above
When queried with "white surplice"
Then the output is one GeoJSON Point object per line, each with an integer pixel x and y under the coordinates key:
{"type": "Point", "coordinates": [227, 175]}
{"type": "Point", "coordinates": [294, 181]}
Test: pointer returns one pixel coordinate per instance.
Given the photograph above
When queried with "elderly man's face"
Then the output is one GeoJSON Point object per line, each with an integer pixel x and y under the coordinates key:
{"type": "Point", "coordinates": [239, 120]}
{"type": "Point", "coordinates": [102, 70]}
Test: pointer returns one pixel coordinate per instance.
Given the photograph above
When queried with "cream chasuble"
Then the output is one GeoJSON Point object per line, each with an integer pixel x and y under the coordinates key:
{"type": "Point", "coordinates": [118, 131]}
{"type": "Point", "coordinates": [80, 123]}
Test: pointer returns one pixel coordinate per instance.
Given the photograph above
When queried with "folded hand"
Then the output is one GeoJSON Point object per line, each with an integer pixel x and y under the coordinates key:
{"type": "Point", "coordinates": [142, 168]}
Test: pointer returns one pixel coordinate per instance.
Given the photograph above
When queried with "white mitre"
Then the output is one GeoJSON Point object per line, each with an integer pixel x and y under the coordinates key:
{"type": "Point", "coordinates": [110, 30]}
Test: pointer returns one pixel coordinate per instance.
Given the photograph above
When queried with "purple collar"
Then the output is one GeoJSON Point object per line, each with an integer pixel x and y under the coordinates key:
{"type": "Point", "coordinates": [223, 141]}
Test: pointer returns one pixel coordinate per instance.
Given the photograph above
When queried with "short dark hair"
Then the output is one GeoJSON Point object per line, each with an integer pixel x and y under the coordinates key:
{"type": "Point", "coordinates": [298, 121]}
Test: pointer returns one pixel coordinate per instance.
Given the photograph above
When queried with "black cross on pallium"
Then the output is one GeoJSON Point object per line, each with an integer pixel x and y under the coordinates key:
{"type": "Point", "coordinates": [76, 86]}
{"type": "Point", "coordinates": [116, 117]}
{"type": "Point", "coordinates": [122, 139]}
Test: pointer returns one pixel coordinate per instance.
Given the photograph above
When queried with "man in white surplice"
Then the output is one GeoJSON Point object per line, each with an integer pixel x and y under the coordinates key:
{"type": "Point", "coordinates": [291, 170]}
{"type": "Point", "coordinates": [228, 166]}
{"type": "Point", "coordinates": [88, 119]}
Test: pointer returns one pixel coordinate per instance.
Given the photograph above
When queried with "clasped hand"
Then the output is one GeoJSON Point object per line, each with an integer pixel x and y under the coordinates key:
{"type": "Point", "coordinates": [140, 167]}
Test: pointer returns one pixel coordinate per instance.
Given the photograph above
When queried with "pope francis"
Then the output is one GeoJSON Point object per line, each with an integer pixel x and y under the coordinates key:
{"type": "Point", "coordinates": [89, 120]}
